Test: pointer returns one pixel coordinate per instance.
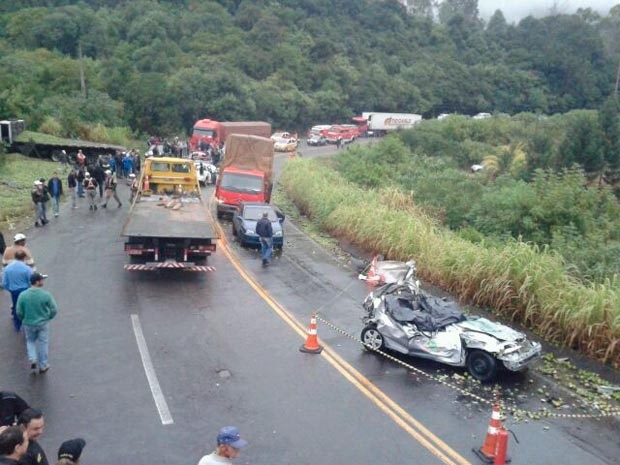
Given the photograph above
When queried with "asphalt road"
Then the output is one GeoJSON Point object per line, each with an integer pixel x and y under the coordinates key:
{"type": "Point", "coordinates": [223, 349]}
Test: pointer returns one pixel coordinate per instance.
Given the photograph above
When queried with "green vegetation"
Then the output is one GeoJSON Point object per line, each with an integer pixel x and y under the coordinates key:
{"type": "Point", "coordinates": [156, 66]}
{"type": "Point", "coordinates": [570, 210]}
{"type": "Point", "coordinates": [519, 280]}
{"type": "Point", "coordinates": [17, 174]}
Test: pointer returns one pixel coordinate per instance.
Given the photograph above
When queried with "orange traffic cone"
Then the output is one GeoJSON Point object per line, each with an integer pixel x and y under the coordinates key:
{"type": "Point", "coordinates": [147, 184]}
{"type": "Point", "coordinates": [311, 345]}
{"type": "Point", "coordinates": [487, 451]}
{"type": "Point", "coordinates": [501, 447]}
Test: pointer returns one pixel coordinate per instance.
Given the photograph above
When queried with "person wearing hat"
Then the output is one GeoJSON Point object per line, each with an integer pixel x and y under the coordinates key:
{"type": "Point", "coordinates": [38, 199]}
{"type": "Point", "coordinates": [54, 187]}
{"type": "Point", "coordinates": [70, 451]}
{"type": "Point", "coordinates": [133, 187]}
{"type": "Point", "coordinates": [36, 308]}
{"type": "Point", "coordinates": [90, 185]}
{"type": "Point", "coordinates": [110, 189]}
{"type": "Point", "coordinates": [19, 243]}
{"type": "Point", "coordinates": [16, 279]}
{"type": "Point", "coordinates": [229, 443]}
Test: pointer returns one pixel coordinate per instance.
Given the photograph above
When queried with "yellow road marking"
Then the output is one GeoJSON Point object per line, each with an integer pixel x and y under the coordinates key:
{"type": "Point", "coordinates": [412, 426]}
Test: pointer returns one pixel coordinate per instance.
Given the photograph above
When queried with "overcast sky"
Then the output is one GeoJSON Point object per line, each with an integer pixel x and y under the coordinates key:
{"type": "Point", "coordinates": [514, 10]}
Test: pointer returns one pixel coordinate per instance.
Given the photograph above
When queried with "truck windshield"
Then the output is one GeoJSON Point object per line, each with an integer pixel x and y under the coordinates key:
{"type": "Point", "coordinates": [238, 182]}
{"type": "Point", "coordinates": [204, 132]}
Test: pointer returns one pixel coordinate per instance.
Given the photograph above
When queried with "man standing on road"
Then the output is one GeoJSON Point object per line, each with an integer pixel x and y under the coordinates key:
{"type": "Point", "coordinates": [19, 243]}
{"type": "Point", "coordinates": [16, 280]}
{"type": "Point", "coordinates": [72, 183]}
{"type": "Point", "coordinates": [13, 445]}
{"type": "Point", "coordinates": [54, 186]}
{"type": "Point", "coordinates": [229, 443]}
{"type": "Point", "coordinates": [11, 407]}
{"type": "Point", "coordinates": [265, 232]}
{"type": "Point", "coordinates": [36, 308]}
{"type": "Point", "coordinates": [90, 185]}
{"type": "Point", "coordinates": [32, 423]}
{"type": "Point", "coordinates": [110, 189]}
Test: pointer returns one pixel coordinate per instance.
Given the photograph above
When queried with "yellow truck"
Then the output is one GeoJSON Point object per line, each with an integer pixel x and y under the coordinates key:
{"type": "Point", "coordinates": [169, 225]}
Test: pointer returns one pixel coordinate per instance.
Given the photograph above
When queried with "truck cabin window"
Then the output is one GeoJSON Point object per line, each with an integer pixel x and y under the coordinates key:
{"type": "Point", "coordinates": [159, 166]}
{"type": "Point", "coordinates": [241, 182]}
{"type": "Point", "coordinates": [203, 132]}
{"type": "Point", "coordinates": [180, 168]}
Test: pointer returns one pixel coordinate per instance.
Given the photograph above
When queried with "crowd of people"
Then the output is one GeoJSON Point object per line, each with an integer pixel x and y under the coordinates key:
{"type": "Point", "coordinates": [96, 182]}
{"type": "Point", "coordinates": [33, 308]}
{"type": "Point", "coordinates": [21, 426]}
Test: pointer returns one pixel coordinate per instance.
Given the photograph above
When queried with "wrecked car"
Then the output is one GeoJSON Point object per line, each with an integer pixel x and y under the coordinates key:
{"type": "Point", "coordinates": [399, 316]}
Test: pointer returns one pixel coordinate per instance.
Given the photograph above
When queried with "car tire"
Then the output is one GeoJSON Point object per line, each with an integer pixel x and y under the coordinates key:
{"type": "Point", "coordinates": [372, 339]}
{"type": "Point", "coordinates": [481, 365]}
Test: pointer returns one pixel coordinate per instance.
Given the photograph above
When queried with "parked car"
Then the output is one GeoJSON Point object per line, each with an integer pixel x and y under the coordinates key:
{"type": "Point", "coordinates": [277, 136]}
{"type": "Point", "coordinates": [285, 145]}
{"type": "Point", "coordinates": [245, 219]}
{"type": "Point", "coordinates": [316, 139]}
{"type": "Point", "coordinates": [400, 317]}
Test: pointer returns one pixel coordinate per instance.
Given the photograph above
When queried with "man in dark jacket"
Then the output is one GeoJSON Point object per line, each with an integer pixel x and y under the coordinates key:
{"type": "Point", "coordinates": [72, 182]}
{"type": "Point", "coordinates": [265, 232]}
{"type": "Point", "coordinates": [98, 173]}
{"type": "Point", "coordinates": [54, 187]}
{"type": "Point", "coordinates": [11, 407]}
{"type": "Point", "coordinates": [32, 423]}
{"type": "Point", "coordinates": [13, 445]}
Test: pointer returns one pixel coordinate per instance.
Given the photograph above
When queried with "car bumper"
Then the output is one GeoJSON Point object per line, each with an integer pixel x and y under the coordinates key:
{"type": "Point", "coordinates": [253, 240]}
{"type": "Point", "coordinates": [520, 359]}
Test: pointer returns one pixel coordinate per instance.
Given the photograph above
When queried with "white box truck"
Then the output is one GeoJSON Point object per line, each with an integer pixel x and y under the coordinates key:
{"type": "Point", "coordinates": [382, 123]}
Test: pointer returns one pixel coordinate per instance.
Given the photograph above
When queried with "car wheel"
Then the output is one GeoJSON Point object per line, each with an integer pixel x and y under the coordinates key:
{"type": "Point", "coordinates": [481, 365]}
{"type": "Point", "coordinates": [372, 338]}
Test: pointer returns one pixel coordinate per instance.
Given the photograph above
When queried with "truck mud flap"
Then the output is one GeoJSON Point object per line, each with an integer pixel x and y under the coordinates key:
{"type": "Point", "coordinates": [169, 266]}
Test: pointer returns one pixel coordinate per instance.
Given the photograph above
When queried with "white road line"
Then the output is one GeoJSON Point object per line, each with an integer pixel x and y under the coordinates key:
{"type": "Point", "coordinates": [149, 369]}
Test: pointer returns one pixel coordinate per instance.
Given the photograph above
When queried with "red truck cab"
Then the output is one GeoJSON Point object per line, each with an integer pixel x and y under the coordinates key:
{"type": "Point", "coordinates": [238, 185]}
{"type": "Point", "coordinates": [345, 133]}
{"type": "Point", "coordinates": [246, 173]}
{"type": "Point", "coordinates": [205, 131]}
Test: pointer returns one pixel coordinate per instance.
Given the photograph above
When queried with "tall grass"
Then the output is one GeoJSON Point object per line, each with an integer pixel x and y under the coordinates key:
{"type": "Point", "coordinates": [517, 280]}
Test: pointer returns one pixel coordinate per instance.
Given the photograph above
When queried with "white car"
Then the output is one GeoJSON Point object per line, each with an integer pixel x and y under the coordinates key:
{"type": "Point", "coordinates": [285, 145]}
{"type": "Point", "coordinates": [207, 172]}
{"type": "Point", "coordinates": [277, 136]}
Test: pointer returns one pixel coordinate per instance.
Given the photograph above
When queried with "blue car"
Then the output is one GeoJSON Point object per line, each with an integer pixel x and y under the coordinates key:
{"type": "Point", "coordinates": [245, 219]}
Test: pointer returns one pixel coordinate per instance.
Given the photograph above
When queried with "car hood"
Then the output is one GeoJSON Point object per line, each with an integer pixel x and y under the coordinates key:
{"type": "Point", "coordinates": [497, 330]}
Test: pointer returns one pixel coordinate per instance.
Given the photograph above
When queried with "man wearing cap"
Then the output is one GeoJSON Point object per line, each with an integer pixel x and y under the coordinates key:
{"type": "Point", "coordinates": [110, 189]}
{"type": "Point", "coordinates": [36, 308]}
{"type": "Point", "coordinates": [38, 199]}
{"type": "Point", "coordinates": [13, 445]}
{"type": "Point", "coordinates": [19, 243]}
{"type": "Point", "coordinates": [90, 185]}
{"type": "Point", "coordinates": [229, 443]}
{"type": "Point", "coordinates": [11, 407]}
{"type": "Point", "coordinates": [70, 451]}
{"type": "Point", "coordinates": [16, 279]}
{"type": "Point", "coordinates": [54, 187]}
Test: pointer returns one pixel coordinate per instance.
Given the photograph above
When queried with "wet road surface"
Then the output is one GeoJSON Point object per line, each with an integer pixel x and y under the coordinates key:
{"type": "Point", "coordinates": [224, 350]}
